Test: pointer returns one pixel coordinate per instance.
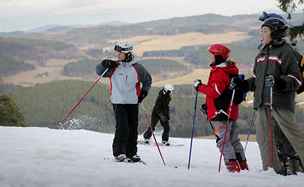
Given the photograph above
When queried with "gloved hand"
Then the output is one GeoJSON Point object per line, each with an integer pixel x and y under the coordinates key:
{"type": "Point", "coordinates": [204, 108]}
{"type": "Point", "coordinates": [269, 81]}
{"type": "Point", "coordinates": [197, 84]}
{"type": "Point", "coordinates": [235, 81]}
{"type": "Point", "coordinates": [107, 63]}
{"type": "Point", "coordinates": [280, 83]}
{"type": "Point", "coordinates": [142, 95]}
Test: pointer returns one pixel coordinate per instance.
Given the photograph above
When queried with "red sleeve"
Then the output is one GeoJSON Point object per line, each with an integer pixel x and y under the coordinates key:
{"type": "Point", "coordinates": [216, 86]}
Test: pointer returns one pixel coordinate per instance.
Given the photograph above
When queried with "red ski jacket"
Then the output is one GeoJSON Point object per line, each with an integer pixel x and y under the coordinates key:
{"type": "Point", "coordinates": [219, 80]}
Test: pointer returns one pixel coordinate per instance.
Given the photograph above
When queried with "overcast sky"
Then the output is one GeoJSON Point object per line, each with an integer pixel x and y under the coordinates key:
{"type": "Point", "coordinates": [28, 14]}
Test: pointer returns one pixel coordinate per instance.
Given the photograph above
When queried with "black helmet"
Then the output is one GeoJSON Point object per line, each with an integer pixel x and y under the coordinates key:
{"type": "Point", "coordinates": [276, 23]}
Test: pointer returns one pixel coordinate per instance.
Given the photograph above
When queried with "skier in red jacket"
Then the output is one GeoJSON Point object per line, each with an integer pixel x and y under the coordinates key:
{"type": "Point", "coordinates": [219, 111]}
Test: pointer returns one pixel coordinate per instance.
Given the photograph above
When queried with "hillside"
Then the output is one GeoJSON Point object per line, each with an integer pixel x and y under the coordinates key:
{"type": "Point", "coordinates": [52, 70]}
{"type": "Point", "coordinates": [11, 66]}
{"type": "Point", "coordinates": [97, 35]}
{"type": "Point", "coordinates": [37, 50]}
{"type": "Point", "coordinates": [35, 157]}
{"type": "Point", "coordinates": [180, 39]}
{"type": "Point", "coordinates": [177, 41]}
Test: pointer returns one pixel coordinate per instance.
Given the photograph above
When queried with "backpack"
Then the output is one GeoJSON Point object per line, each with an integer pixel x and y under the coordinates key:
{"type": "Point", "coordinates": [223, 101]}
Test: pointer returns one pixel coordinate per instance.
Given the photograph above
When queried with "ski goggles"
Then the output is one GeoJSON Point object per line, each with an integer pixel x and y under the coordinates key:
{"type": "Point", "coordinates": [118, 48]}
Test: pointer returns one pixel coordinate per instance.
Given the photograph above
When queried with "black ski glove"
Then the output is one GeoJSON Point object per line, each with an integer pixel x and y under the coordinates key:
{"type": "Point", "coordinates": [235, 82]}
{"type": "Point", "coordinates": [142, 95]}
{"type": "Point", "coordinates": [203, 108]}
{"type": "Point", "coordinates": [107, 63]}
{"type": "Point", "coordinates": [269, 81]}
{"type": "Point", "coordinates": [280, 84]}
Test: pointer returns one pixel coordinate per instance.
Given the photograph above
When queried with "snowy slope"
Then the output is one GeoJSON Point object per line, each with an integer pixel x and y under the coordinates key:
{"type": "Point", "coordinates": [44, 157]}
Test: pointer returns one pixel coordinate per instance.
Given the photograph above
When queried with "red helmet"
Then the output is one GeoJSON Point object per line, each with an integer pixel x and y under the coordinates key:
{"type": "Point", "coordinates": [219, 49]}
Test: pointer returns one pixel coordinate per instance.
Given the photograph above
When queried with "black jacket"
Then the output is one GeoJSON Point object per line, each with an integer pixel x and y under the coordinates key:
{"type": "Point", "coordinates": [161, 106]}
{"type": "Point", "coordinates": [280, 61]}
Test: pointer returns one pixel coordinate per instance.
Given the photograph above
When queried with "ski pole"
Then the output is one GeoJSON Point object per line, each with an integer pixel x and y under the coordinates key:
{"type": "Point", "coordinates": [160, 153]}
{"type": "Point", "coordinates": [213, 131]}
{"type": "Point", "coordinates": [226, 130]}
{"type": "Point", "coordinates": [270, 129]}
{"type": "Point", "coordinates": [210, 123]}
{"type": "Point", "coordinates": [74, 107]}
{"type": "Point", "coordinates": [250, 127]}
{"type": "Point", "coordinates": [193, 125]}
{"type": "Point", "coordinates": [156, 143]}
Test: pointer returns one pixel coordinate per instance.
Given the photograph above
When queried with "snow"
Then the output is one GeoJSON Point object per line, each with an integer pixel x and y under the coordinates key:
{"type": "Point", "coordinates": [45, 157]}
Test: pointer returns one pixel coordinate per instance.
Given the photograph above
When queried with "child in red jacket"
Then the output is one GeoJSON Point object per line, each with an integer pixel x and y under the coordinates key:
{"type": "Point", "coordinates": [219, 110]}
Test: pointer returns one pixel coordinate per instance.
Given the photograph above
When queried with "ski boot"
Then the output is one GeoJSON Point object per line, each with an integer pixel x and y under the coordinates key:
{"type": "Point", "coordinates": [243, 165]}
{"type": "Point", "coordinates": [166, 143]}
{"type": "Point", "coordinates": [134, 158]}
{"type": "Point", "coordinates": [233, 166]}
{"type": "Point", "coordinates": [120, 158]}
{"type": "Point", "coordinates": [146, 141]}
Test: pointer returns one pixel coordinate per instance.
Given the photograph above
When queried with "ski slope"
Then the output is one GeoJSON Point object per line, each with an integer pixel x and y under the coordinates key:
{"type": "Point", "coordinates": [42, 157]}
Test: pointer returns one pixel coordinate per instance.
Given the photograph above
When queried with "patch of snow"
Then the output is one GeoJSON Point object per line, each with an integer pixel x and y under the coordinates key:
{"type": "Point", "coordinates": [37, 157]}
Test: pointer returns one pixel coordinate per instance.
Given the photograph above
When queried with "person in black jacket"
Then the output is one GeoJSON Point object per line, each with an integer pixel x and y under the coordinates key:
{"type": "Point", "coordinates": [275, 82]}
{"type": "Point", "coordinates": [161, 113]}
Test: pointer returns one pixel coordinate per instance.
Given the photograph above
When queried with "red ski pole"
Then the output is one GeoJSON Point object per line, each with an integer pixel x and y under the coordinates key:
{"type": "Point", "coordinates": [226, 130]}
{"type": "Point", "coordinates": [74, 107]}
{"type": "Point", "coordinates": [156, 143]}
{"type": "Point", "coordinates": [270, 130]}
{"type": "Point", "coordinates": [160, 153]}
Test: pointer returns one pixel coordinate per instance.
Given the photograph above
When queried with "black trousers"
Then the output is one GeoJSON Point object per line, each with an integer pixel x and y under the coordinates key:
{"type": "Point", "coordinates": [125, 138]}
{"type": "Point", "coordinates": [155, 118]}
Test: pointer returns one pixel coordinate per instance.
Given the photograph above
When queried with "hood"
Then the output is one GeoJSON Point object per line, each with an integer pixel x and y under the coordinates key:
{"type": "Point", "coordinates": [229, 67]}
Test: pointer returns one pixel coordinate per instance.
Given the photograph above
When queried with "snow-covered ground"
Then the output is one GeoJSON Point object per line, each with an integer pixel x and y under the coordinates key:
{"type": "Point", "coordinates": [43, 157]}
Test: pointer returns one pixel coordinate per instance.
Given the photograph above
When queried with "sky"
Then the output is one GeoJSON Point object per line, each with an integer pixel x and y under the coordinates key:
{"type": "Point", "coordinates": [29, 14]}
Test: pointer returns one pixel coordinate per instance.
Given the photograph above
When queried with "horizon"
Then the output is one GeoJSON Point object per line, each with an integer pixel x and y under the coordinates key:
{"type": "Point", "coordinates": [26, 15]}
{"type": "Point", "coordinates": [34, 28]}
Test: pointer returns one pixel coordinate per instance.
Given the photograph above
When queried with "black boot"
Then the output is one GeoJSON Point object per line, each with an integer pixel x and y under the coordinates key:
{"type": "Point", "coordinates": [134, 158]}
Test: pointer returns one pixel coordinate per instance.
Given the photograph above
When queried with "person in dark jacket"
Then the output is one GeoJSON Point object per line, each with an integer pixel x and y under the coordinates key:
{"type": "Point", "coordinates": [221, 114]}
{"type": "Point", "coordinates": [161, 113]}
{"type": "Point", "coordinates": [274, 83]}
{"type": "Point", "coordinates": [129, 85]}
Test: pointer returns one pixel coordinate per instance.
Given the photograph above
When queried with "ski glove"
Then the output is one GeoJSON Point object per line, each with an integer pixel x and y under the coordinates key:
{"type": "Point", "coordinates": [197, 84]}
{"type": "Point", "coordinates": [107, 63]}
{"type": "Point", "coordinates": [203, 108]}
{"type": "Point", "coordinates": [142, 95]}
{"type": "Point", "coordinates": [269, 81]}
{"type": "Point", "coordinates": [235, 81]}
{"type": "Point", "coordinates": [280, 84]}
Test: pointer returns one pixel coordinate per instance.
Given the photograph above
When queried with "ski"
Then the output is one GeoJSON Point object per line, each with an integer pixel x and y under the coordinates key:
{"type": "Point", "coordinates": [142, 142]}
{"type": "Point", "coordinates": [125, 161]}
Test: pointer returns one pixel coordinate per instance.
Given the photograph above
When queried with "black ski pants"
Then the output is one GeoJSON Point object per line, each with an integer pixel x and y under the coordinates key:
{"type": "Point", "coordinates": [164, 121]}
{"type": "Point", "coordinates": [125, 138]}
